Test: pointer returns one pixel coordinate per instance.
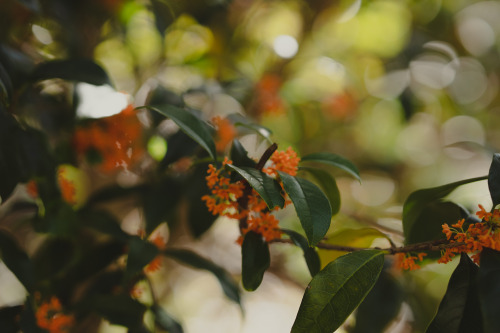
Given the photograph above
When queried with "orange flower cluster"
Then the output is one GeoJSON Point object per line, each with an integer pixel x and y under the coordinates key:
{"type": "Point", "coordinates": [407, 261]}
{"type": "Point", "coordinates": [225, 132]}
{"type": "Point", "coordinates": [226, 198]}
{"type": "Point", "coordinates": [475, 238]}
{"type": "Point", "coordinates": [116, 140]}
{"type": "Point", "coordinates": [50, 316]}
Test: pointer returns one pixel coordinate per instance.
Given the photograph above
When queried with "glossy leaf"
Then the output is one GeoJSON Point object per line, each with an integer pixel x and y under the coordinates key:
{"type": "Point", "coordinates": [165, 320]}
{"type": "Point", "coordinates": [268, 188]}
{"type": "Point", "coordinates": [459, 310]}
{"type": "Point", "coordinates": [381, 305]}
{"type": "Point", "coordinates": [239, 156]}
{"type": "Point", "coordinates": [141, 252]}
{"type": "Point", "coordinates": [194, 260]}
{"type": "Point", "coordinates": [255, 260]}
{"type": "Point", "coordinates": [311, 205]}
{"type": "Point", "coordinates": [335, 292]}
{"type": "Point", "coordinates": [16, 259]}
{"type": "Point", "coordinates": [195, 128]}
{"type": "Point", "coordinates": [310, 254]}
{"type": "Point", "coordinates": [328, 185]}
{"type": "Point", "coordinates": [82, 70]}
{"type": "Point", "coordinates": [494, 179]}
{"type": "Point", "coordinates": [488, 280]}
{"type": "Point", "coordinates": [418, 200]}
{"type": "Point", "coordinates": [335, 160]}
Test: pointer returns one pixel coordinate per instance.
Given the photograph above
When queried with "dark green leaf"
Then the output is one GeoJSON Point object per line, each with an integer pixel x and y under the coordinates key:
{"type": "Point", "coordinates": [310, 254]}
{"type": "Point", "coordinates": [103, 222]}
{"type": "Point", "coordinates": [189, 124]}
{"type": "Point", "coordinates": [334, 293]}
{"type": "Point", "coordinates": [239, 156]}
{"type": "Point", "coordinates": [459, 310]}
{"type": "Point", "coordinates": [16, 259]}
{"type": "Point", "coordinates": [141, 252]}
{"type": "Point", "coordinates": [240, 121]}
{"type": "Point", "coordinates": [255, 260]}
{"type": "Point", "coordinates": [45, 266]}
{"type": "Point", "coordinates": [494, 179]}
{"type": "Point", "coordinates": [192, 259]}
{"type": "Point", "coordinates": [268, 188]}
{"type": "Point", "coordinates": [165, 320]}
{"type": "Point", "coordinates": [159, 201]}
{"type": "Point", "coordinates": [418, 200]}
{"type": "Point", "coordinates": [335, 160]}
{"type": "Point", "coordinates": [82, 70]}
{"type": "Point", "coordinates": [118, 309]}
{"type": "Point", "coordinates": [381, 305]}
{"type": "Point", "coordinates": [311, 205]}
{"type": "Point", "coordinates": [328, 185]}
{"type": "Point", "coordinates": [9, 319]}
{"type": "Point", "coordinates": [489, 289]}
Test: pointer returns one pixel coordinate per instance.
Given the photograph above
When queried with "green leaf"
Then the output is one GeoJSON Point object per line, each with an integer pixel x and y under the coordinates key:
{"type": "Point", "coordinates": [16, 259]}
{"type": "Point", "coordinates": [103, 222]}
{"type": "Point", "coordinates": [494, 179]}
{"type": "Point", "coordinates": [488, 279]}
{"type": "Point", "coordinates": [195, 128]}
{"type": "Point", "coordinates": [381, 305]}
{"type": "Point", "coordinates": [334, 293]}
{"type": "Point", "coordinates": [459, 310]}
{"type": "Point", "coordinates": [82, 70]}
{"type": "Point", "coordinates": [428, 224]}
{"type": "Point", "coordinates": [335, 160]}
{"type": "Point", "coordinates": [239, 156]}
{"type": "Point", "coordinates": [328, 185]}
{"type": "Point", "coordinates": [418, 200]}
{"type": "Point", "coordinates": [268, 188]}
{"type": "Point", "coordinates": [118, 309]}
{"type": "Point", "coordinates": [255, 260]}
{"type": "Point", "coordinates": [165, 320]}
{"type": "Point", "coordinates": [141, 252]}
{"type": "Point", "coordinates": [311, 205]}
{"type": "Point", "coordinates": [158, 201]}
{"type": "Point", "coordinates": [9, 318]}
{"type": "Point", "coordinates": [192, 259]}
{"type": "Point", "coordinates": [239, 121]}
{"type": "Point", "coordinates": [310, 253]}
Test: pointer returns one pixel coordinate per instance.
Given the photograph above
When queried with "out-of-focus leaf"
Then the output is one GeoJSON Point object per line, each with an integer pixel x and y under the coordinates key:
{"type": "Point", "coordinates": [16, 259]}
{"type": "Point", "coordinates": [418, 200]}
{"type": "Point", "coordinates": [9, 318]}
{"type": "Point", "coordinates": [240, 121]}
{"type": "Point", "coordinates": [103, 222]}
{"type": "Point", "coordinates": [189, 124]}
{"type": "Point", "coordinates": [28, 319]}
{"type": "Point", "coordinates": [494, 179]}
{"type": "Point", "coordinates": [114, 192]}
{"type": "Point", "coordinates": [266, 186]}
{"type": "Point", "coordinates": [488, 279]}
{"type": "Point", "coordinates": [311, 205]}
{"type": "Point", "coordinates": [334, 293]}
{"type": "Point", "coordinates": [165, 320]}
{"type": "Point", "coordinates": [381, 305]}
{"type": "Point", "coordinates": [459, 310]}
{"type": "Point", "coordinates": [239, 156]}
{"type": "Point", "coordinates": [179, 145]}
{"type": "Point", "coordinates": [362, 237]}
{"type": "Point", "coordinates": [140, 253]}
{"type": "Point", "coordinates": [164, 15]}
{"type": "Point", "coordinates": [255, 260]}
{"type": "Point", "coordinates": [194, 260]}
{"type": "Point", "coordinates": [159, 201]}
{"type": "Point", "coordinates": [118, 309]}
{"type": "Point", "coordinates": [310, 253]}
{"type": "Point", "coordinates": [82, 70]}
{"type": "Point", "coordinates": [335, 160]}
{"type": "Point", "coordinates": [45, 266]}
{"type": "Point", "coordinates": [328, 185]}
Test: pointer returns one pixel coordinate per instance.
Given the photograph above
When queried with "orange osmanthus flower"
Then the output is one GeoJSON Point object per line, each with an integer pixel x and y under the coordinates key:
{"type": "Point", "coordinates": [406, 261]}
{"type": "Point", "coordinates": [51, 317]}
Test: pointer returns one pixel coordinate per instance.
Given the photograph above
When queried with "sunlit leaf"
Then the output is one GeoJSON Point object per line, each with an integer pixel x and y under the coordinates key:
{"type": "Point", "coordinates": [164, 320]}
{"type": "Point", "coordinates": [335, 292]}
{"type": "Point", "coordinates": [328, 185]}
{"type": "Point", "coordinates": [311, 205]}
{"type": "Point", "coordinates": [335, 160]}
{"type": "Point", "coordinates": [418, 200]}
{"type": "Point", "coordinates": [189, 124]}
{"type": "Point", "coordinates": [494, 179]}
{"type": "Point", "coordinates": [488, 279]}
{"type": "Point", "coordinates": [310, 254]}
{"type": "Point", "coordinates": [194, 260]}
{"type": "Point", "coordinates": [459, 310]}
{"type": "Point", "coordinates": [16, 259]}
{"type": "Point", "coordinates": [267, 187]}
{"type": "Point", "coordinates": [82, 70]}
{"type": "Point", "coordinates": [255, 260]}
